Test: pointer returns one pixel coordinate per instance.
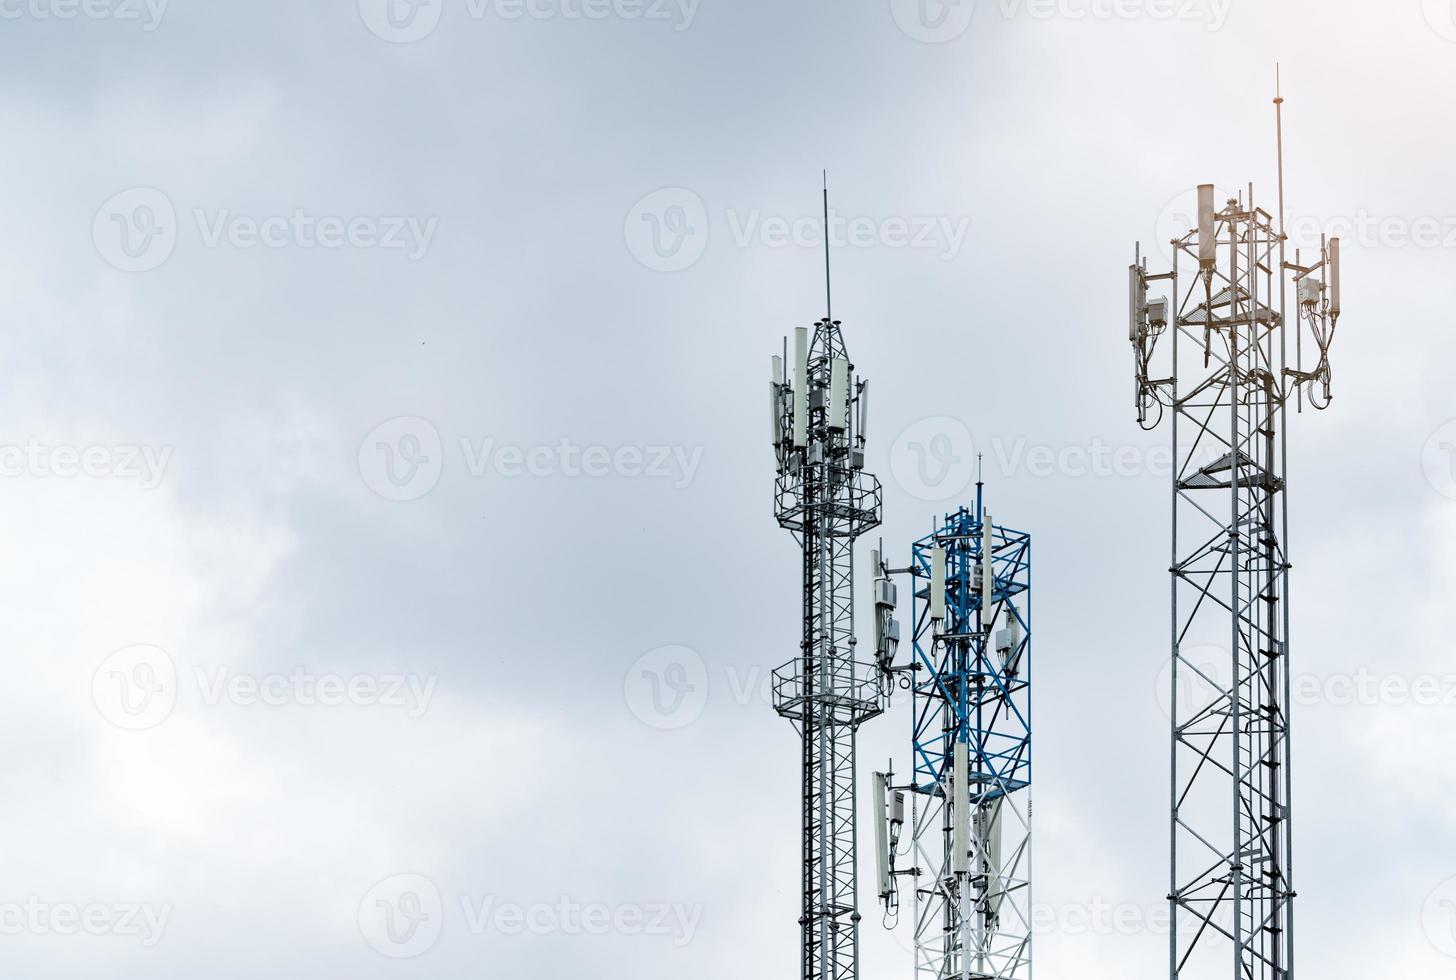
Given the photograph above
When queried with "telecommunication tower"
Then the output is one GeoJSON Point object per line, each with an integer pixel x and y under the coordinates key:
{"type": "Point", "coordinates": [827, 500]}
{"type": "Point", "coordinates": [1222, 334]}
{"type": "Point", "coordinates": [971, 777]}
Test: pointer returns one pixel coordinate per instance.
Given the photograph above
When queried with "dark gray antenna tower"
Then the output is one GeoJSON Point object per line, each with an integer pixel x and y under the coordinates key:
{"type": "Point", "coordinates": [825, 499]}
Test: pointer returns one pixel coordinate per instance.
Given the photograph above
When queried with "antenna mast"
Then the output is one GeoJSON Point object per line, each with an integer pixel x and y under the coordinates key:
{"type": "Point", "coordinates": [825, 499]}
{"type": "Point", "coordinates": [1231, 891]}
{"type": "Point", "coordinates": [828, 300]}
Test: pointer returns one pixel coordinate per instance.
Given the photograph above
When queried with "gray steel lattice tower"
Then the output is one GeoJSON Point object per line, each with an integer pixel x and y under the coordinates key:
{"type": "Point", "coordinates": [1226, 387]}
{"type": "Point", "coordinates": [824, 497]}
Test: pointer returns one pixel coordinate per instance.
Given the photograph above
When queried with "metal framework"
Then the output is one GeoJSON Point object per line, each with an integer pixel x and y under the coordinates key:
{"type": "Point", "coordinates": [971, 778]}
{"type": "Point", "coordinates": [1226, 385]}
{"type": "Point", "coordinates": [824, 497]}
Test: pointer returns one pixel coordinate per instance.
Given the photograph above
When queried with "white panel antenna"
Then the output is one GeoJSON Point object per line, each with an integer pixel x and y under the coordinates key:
{"type": "Point", "coordinates": [801, 386]}
{"type": "Point", "coordinates": [1207, 242]}
{"type": "Point", "coordinates": [961, 790]}
{"type": "Point", "coordinates": [937, 583]}
{"type": "Point", "coordinates": [838, 394]}
{"type": "Point", "coordinates": [882, 833]}
{"type": "Point", "coordinates": [988, 570]}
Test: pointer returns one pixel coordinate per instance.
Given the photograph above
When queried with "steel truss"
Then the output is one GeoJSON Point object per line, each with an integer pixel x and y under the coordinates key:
{"type": "Point", "coordinates": [1231, 889]}
{"type": "Point", "coordinates": [827, 501]}
{"type": "Point", "coordinates": [972, 688]}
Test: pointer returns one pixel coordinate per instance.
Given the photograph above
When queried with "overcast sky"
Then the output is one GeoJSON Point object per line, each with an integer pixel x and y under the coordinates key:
{"type": "Point", "coordinates": [390, 573]}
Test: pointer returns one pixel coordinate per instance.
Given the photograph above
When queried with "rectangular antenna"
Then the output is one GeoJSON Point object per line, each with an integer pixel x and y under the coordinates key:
{"type": "Point", "coordinates": [988, 571]}
{"type": "Point", "coordinates": [838, 394]}
{"type": "Point", "coordinates": [882, 833]}
{"type": "Point", "coordinates": [937, 582]}
{"type": "Point", "coordinates": [1206, 240]}
{"type": "Point", "coordinates": [801, 386]}
{"type": "Point", "coordinates": [775, 400]}
{"type": "Point", "coordinates": [962, 817]}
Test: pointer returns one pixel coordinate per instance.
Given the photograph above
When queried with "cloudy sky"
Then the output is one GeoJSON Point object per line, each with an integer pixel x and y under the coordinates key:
{"type": "Point", "coordinates": [390, 572]}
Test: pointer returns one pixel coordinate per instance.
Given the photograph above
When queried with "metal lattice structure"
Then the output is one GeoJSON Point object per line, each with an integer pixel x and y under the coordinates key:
{"type": "Point", "coordinates": [1223, 339]}
{"type": "Point", "coordinates": [971, 781]}
{"type": "Point", "coordinates": [824, 497]}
